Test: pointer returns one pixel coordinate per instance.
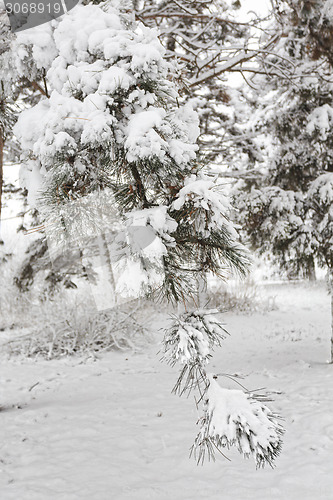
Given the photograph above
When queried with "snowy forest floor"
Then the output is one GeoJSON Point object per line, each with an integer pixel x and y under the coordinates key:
{"type": "Point", "coordinates": [111, 430]}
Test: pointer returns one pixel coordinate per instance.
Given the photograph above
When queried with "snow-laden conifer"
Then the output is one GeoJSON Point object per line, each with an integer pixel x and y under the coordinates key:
{"type": "Point", "coordinates": [286, 208]}
{"type": "Point", "coordinates": [111, 156]}
{"type": "Point", "coordinates": [112, 122]}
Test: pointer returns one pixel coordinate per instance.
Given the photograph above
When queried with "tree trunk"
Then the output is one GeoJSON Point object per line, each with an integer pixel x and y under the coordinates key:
{"type": "Point", "coordinates": [1, 177]}
{"type": "Point", "coordinates": [331, 292]}
{"type": "Point", "coordinates": [106, 259]}
{"type": "Point", "coordinates": [106, 265]}
{"type": "Point", "coordinates": [201, 295]}
{"type": "Point", "coordinates": [310, 269]}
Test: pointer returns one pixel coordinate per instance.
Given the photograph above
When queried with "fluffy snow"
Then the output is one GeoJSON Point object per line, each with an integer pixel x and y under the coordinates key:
{"type": "Point", "coordinates": [321, 118]}
{"type": "Point", "coordinates": [205, 191]}
{"type": "Point", "coordinates": [324, 186]}
{"type": "Point", "coordinates": [205, 194]}
{"type": "Point", "coordinates": [110, 429]}
{"type": "Point", "coordinates": [188, 338]}
{"type": "Point", "coordinates": [40, 40]}
{"type": "Point", "coordinates": [94, 60]}
{"type": "Point", "coordinates": [230, 409]}
{"type": "Point", "coordinates": [31, 178]}
{"type": "Point", "coordinates": [192, 338]}
{"type": "Point", "coordinates": [142, 139]}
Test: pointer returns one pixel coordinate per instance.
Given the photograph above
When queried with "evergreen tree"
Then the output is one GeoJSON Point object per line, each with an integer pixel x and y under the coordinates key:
{"type": "Point", "coordinates": [7, 103]}
{"type": "Point", "coordinates": [287, 209]}
{"type": "Point", "coordinates": [116, 124]}
{"type": "Point", "coordinates": [212, 40]}
{"type": "Point", "coordinates": [111, 137]}
{"type": "Point", "coordinates": [21, 86]}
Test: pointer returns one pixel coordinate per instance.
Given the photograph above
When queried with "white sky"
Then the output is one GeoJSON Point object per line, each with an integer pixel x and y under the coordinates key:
{"type": "Point", "coordinates": [261, 7]}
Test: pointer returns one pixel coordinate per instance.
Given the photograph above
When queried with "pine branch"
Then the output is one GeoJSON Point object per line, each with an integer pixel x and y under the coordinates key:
{"type": "Point", "coordinates": [35, 85]}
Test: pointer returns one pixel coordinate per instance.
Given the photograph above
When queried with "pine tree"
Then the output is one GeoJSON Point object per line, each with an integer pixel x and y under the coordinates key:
{"type": "Point", "coordinates": [288, 208]}
{"type": "Point", "coordinates": [110, 151]}
{"type": "Point", "coordinates": [7, 103]}
{"type": "Point", "coordinates": [116, 124]}
{"type": "Point", "coordinates": [211, 41]}
{"type": "Point", "coordinates": [21, 86]}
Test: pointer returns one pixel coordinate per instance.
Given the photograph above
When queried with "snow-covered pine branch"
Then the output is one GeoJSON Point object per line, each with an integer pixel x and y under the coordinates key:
{"type": "Point", "coordinates": [191, 341]}
{"type": "Point", "coordinates": [230, 417]}
{"type": "Point", "coordinates": [233, 417]}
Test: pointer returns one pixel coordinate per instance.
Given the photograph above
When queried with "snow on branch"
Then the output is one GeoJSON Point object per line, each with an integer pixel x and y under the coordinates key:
{"type": "Point", "coordinates": [321, 118]}
{"type": "Point", "coordinates": [237, 418]}
{"type": "Point", "coordinates": [193, 335]}
{"type": "Point", "coordinates": [230, 417]}
{"type": "Point", "coordinates": [205, 36]}
{"type": "Point", "coordinates": [191, 340]}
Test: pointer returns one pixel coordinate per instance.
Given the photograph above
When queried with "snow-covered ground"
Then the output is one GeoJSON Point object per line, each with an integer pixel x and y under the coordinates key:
{"type": "Point", "coordinates": [76, 429]}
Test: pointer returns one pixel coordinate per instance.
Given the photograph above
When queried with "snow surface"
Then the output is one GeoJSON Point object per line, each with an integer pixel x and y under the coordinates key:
{"type": "Point", "coordinates": [110, 429]}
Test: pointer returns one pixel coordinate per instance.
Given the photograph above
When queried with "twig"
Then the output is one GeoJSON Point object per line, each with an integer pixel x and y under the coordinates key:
{"type": "Point", "coordinates": [33, 386]}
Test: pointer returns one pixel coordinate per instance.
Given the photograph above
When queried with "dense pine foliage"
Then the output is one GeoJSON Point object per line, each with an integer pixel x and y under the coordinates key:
{"type": "Point", "coordinates": [145, 130]}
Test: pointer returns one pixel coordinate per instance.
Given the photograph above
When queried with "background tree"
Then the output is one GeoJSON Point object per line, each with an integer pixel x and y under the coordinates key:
{"type": "Point", "coordinates": [7, 104]}
{"type": "Point", "coordinates": [287, 208]}
{"type": "Point", "coordinates": [212, 42]}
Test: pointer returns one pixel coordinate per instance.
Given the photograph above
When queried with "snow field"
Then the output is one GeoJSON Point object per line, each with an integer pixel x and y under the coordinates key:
{"type": "Point", "coordinates": [110, 429]}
